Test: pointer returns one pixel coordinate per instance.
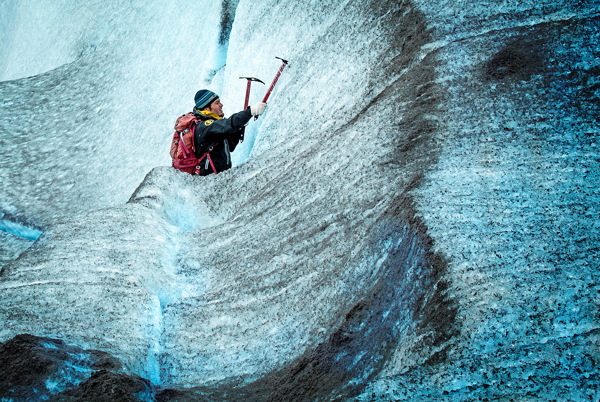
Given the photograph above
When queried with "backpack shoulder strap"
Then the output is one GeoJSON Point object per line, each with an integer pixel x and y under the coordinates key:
{"type": "Point", "coordinates": [210, 161]}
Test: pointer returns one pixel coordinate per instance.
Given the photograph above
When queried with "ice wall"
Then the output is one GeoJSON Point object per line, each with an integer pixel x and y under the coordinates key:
{"type": "Point", "coordinates": [89, 95]}
{"type": "Point", "coordinates": [512, 202]}
{"type": "Point", "coordinates": [413, 218]}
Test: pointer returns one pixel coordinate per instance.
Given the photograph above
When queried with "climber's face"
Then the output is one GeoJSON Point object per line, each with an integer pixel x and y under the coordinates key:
{"type": "Point", "coordinates": [217, 107]}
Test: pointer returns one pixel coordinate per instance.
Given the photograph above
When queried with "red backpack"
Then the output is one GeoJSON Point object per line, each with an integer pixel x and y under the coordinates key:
{"type": "Point", "coordinates": [183, 149]}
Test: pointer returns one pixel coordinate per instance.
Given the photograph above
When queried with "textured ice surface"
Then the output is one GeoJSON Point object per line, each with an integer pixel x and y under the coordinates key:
{"type": "Point", "coordinates": [414, 217]}
{"type": "Point", "coordinates": [11, 246]}
{"type": "Point", "coordinates": [513, 203]}
{"type": "Point", "coordinates": [99, 86]}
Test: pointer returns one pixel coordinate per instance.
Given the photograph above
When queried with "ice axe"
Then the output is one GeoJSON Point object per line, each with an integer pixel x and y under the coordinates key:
{"type": "Point", "coordinates": [250, 79]}
{"type": "Point", "coordinates": [283, 64]}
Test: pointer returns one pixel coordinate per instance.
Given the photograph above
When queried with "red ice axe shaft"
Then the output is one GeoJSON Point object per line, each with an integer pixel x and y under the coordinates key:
{"type": "Point", "coordinates": [285, 62]}
{"type": "Point", "coordinates": [250, 79]}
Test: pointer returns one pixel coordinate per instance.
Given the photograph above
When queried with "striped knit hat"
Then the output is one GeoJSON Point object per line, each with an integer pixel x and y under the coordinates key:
{"type": "Point", "coordinates": [204, 97]}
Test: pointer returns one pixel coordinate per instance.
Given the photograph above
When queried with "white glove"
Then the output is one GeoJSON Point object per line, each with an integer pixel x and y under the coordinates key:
{"type": "Point", "coordinates": [258, 108]}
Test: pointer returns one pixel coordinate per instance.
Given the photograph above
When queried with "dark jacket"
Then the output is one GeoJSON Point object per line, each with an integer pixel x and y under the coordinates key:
{"type": "Point", "coordinates": [223, 135]}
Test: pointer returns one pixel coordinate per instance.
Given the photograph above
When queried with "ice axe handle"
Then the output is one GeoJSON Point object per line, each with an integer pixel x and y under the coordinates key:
{"type": "Point", "coordinates": [283, 64]}
{"type": "Point", "coordinates": [247, 94]}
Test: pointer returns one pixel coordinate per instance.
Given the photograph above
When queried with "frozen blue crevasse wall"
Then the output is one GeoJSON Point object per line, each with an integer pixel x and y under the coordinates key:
{"type": "Point", "coordinates": [423, 228]}
{"type": "Point", "coordinates": [513, 202]}
{"type": "Point", "coordinates": [177, 288]}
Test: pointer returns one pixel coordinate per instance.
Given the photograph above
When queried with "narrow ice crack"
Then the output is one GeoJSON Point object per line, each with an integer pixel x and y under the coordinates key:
{"type": "Point", "coordinates": [19, 230]}
{"type": "Point", "coordinates": [169, 287]}
{"type": "Point", "coordinates": [166, 289]}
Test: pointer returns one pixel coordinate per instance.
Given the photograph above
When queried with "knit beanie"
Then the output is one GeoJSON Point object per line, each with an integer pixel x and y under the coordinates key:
{"type": "Point", "coordinates": [204, 97]}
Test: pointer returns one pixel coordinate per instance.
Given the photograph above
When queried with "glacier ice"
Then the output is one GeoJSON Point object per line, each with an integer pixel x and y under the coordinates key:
{"type": "Point", "coordinates": [414, 217]}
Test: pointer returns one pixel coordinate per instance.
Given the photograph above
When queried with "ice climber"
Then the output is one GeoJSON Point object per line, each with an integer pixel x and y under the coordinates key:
{"type": "Point", "coordinates": [212, 130]}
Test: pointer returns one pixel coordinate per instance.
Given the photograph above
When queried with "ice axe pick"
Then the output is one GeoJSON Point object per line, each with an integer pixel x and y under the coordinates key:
{"type": "Point", "coordinates": [250, 79]}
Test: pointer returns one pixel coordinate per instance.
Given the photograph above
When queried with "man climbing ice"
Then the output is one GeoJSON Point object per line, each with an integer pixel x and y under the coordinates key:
{"type": "Point", "coordinates": [217, 135]}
